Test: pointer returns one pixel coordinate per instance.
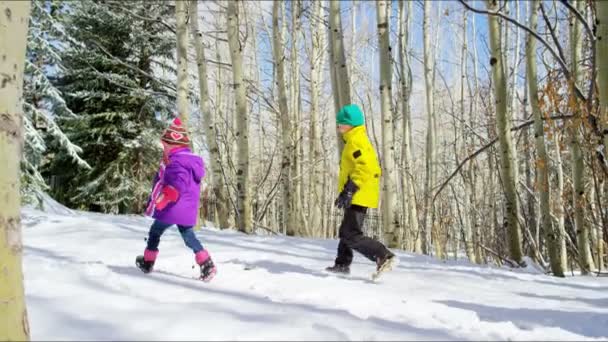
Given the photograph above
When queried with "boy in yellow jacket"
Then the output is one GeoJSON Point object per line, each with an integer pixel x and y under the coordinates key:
{"type": "Point", "coordinates": [359, 186]}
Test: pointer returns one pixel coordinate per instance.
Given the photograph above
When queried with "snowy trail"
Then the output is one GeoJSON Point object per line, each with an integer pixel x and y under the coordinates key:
{"type": "Point", "coordinates": [81, 284]}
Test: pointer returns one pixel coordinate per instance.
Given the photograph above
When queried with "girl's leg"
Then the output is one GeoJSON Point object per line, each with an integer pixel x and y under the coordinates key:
{"type": "Point", "coordinates": [156, 231]}
{"type": "Point", "coordinates": [190, 238]}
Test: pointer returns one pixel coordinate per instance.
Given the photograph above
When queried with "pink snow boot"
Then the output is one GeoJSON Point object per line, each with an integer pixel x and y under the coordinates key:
{"type": "Point", "coordinates": [208, 269]}
{"type": "Point", "coordinates": [146, 262]}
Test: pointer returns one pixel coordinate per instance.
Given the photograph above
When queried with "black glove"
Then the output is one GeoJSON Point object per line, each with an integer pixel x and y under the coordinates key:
{"type": "Point", "coordinates": [346, 196]}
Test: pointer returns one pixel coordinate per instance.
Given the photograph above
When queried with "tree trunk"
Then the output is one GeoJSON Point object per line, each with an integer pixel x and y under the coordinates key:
{"type": "Point", "coordinates": [469, 216]}
{"type": "Point", "coordinates": [288, 223]}
{"type": "Point", "coordinates": [406, 85]}
{"type": "Point", "coordinates": [552, 236]}
{"type": "Point", "coordinates": [472, 121]}
{"type": "Point", "coordinates": [242, 172]}
{"type": "Point", "coordinates": [14, 17]}
{"type": "Point", "coordinates": [390, 220]}
{"type": "Point", "coordinates": [578, 171]}
{"type": "Point", "coordinates": [430, 138]}
{"type": "Point", "coordinates": [316, 73]}
{"type": "Point", "coordinates": [296, 96]}
{"type": "Point", "coordinates": [341, 85]}
{"type": "Point", "coordinates": [559, 203]}
{"type": "Point", "coordinates": [181, 13]}
{"type": "Point", "coordinates": [602, 73]}
{"type": "Point", "coordinates": [503, 126]}
{"type": "Point", "coordinates": [217, 182]}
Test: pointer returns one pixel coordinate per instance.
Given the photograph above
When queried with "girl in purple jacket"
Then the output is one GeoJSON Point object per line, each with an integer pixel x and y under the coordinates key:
{"type": "Point", "coordinates": [175, 198]}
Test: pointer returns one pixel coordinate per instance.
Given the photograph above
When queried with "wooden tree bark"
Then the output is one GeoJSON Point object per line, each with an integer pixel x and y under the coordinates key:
{"type": "Point", "coordinates": [559, 203]}
{"type": "Point", "coordinates": [390, 219]}
{"type": "Point", "coordinates": [316, 73]}
{"type": "Point", "coordinates": [602, 72]}
{"type": "Point", "coordinates": [13, 40]}
{"type": "Point", "coordinates": [503, 126]}
{"type": "Point", "coordinates": [242, 172]}
{"type": "Point", "coordinates": [472, 121]}
{"type": "Point", "coordinates": [469, 215]}
{"type": "Point", "coordinates": [578, 170]}
{"type": "Point", "coordinates": [406, 91]}
{"type": "Point", "coordinates": [297, 139]}
{"type": "Point", "coordinates": [289, 222]}
{"type": "Point", "coordinates": [217, 182]}
{"type": "Point", "coordinates": [338, 69]}
{"type": "Point", "coordinates": [553, 237]}
{"type": "Point", "coordinates": [429, 216]}
{"type": "Point", "coordinates": [181, 13]}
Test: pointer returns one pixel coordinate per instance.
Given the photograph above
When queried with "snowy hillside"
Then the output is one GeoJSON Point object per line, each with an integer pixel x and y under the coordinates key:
{"type": "Point", "coordinates": [81, 284]}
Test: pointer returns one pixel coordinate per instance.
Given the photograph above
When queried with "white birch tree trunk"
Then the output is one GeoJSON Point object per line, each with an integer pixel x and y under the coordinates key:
{"type": "Point", "coordinates": [181, 13]}
{"type": "Point", "coordinates": [469, 216]}
{"type": "Point", "coordinates": [553, 236]}
{"type": "Point", "coordinates": [503, 126]}
{"type": "Point", "coordinates": [430, 134]}
{"type": "Point", "coordinates": [406, 91]}
{"type": "Point", "coordinates": [559, 203]}
{"type": "Point", "coordinates": [578, 170]}
{"type": "Point", "coordinates": [338, 69]}
{"type": "Point", "coordinates": [316, 178]}
{"type": "Point", "coordinates": [602, 81]}
{"type": "Point", "coordinates": [242, 172]}
{"type": "Point", "coordinates": [286, 129]}
{"type": "Point", "coordinates": [390, 219]}
{"type": "Point", "coordinates": [472, 121]}
{"type": "Point", "coordinates": [14, 17]}
{"type": "Point", "coordinates": [217, 182]}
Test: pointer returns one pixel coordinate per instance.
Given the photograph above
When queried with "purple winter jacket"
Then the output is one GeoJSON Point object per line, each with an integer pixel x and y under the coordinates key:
{"type": "Point", "coordinates": [184, 172]}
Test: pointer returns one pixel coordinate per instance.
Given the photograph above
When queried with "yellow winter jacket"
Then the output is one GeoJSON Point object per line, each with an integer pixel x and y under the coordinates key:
{"type": "Point", "coordinates": [360, 163]}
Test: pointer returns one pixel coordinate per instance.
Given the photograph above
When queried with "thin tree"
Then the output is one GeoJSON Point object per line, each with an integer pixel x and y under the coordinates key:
{"type": "Point", "coordinates": [289, 222]}
{"type": "Point", "coordinates": [240, 97]}
{"type": "Point", "coordinates": [181, 13]}
{"type": "Point", "coordinates": [552, 236]}
{"type": "Point", "coordinates": [429, 216]}
{"type": "Point", "coordinates": [337, 66]}
{"type": "Point", "coordinates": [578, 167]}
{"type": "Point", "coordinates": [406, 90]}
{"type": "Point", "coordinates": [317, 53]}
{"type": "Point", "coordinates": [503, 127]}
{"type": "Point", "coordinates": [217, 183]}
{"type": "Point", "coordinates": [390, 220]}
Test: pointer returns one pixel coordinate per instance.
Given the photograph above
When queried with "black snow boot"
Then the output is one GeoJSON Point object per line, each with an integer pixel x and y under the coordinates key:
{"type": "Point", "coordinates": [145, 266]}
{"type": "Point", "coordinates": [208, 270]}
{"type": "Point", "coordinates": [339, 269]}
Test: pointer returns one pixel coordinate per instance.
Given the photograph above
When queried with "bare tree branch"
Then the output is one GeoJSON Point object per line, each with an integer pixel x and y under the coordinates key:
{"type": "Point", "coordinates": [559, 59]}
{"type": "Point", "coordinates": [488, 145]}
{"type": "Point", "coordinates": [580, 17]}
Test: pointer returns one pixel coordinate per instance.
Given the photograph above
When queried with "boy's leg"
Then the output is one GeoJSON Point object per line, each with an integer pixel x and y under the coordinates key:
{"type": "Point", "coordinates": [345, 254]}
{"type": "Point", "coordinates": [352, 234]}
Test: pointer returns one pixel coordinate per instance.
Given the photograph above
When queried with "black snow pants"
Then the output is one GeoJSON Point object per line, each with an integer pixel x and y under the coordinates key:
{"type": "Point", "coordinates": [351, 237]}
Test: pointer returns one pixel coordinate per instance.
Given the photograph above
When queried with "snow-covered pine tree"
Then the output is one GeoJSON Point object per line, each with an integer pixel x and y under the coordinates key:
{"type": "Point", "coordinates": [42, 101]}
{"type": "Point", "coordinates": [109, 83]}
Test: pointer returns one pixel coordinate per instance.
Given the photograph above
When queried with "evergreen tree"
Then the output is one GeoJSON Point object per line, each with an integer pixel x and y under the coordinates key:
{"type": "Point", "coordinates": [109, 83]}
{"type": "Point", "coordinates": [42, 101]}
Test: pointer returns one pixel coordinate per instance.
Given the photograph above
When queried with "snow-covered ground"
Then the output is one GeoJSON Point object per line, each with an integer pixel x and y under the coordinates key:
{"type": "Point", "coordinates": [81, 284]}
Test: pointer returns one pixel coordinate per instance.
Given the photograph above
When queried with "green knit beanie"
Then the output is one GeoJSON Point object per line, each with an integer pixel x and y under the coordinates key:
{"type": "Point", "coordinates": [350, 115]}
